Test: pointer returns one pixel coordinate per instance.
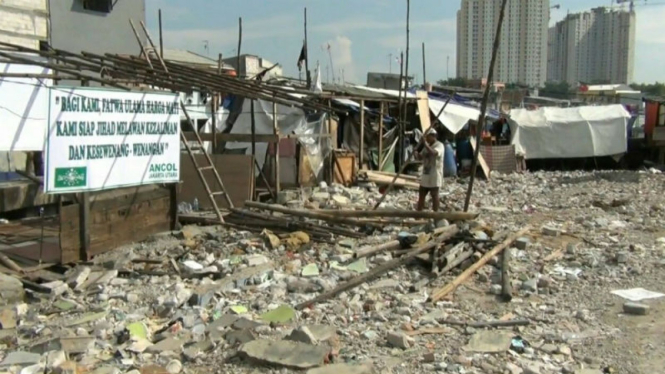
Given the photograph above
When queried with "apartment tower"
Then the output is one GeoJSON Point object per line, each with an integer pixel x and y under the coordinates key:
{"type": "Point", "coordinates": [522, 55]}
{"type": "Point", "coordinates": [597, 46]}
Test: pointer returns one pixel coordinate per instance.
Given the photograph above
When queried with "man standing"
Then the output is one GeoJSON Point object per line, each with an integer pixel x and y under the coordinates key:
{"type": "Point", "coordinates": [432, 176]}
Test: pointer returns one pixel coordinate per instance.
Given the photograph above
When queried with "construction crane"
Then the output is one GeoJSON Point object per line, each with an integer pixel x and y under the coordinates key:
{"type": "Point", "coordinates": [632, 4]}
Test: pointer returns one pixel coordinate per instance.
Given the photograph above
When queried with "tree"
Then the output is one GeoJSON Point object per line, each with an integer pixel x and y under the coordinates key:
{"type": "Point", "coordinates": [455, 82]}
{"type": "Point", "coordinates": [655, 89]}
{"type": "Point", "coordinates": [557, 90]}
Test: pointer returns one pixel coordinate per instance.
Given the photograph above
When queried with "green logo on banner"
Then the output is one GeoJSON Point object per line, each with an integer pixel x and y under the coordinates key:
{"type": "Point", "coordinates": [71, 177]}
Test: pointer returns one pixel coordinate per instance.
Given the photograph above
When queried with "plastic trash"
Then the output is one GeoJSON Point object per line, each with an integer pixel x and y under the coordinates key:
{"type": "Point", "coordinates": [195, 205]}
{"type": "Point", "coordinates": [184, 207]}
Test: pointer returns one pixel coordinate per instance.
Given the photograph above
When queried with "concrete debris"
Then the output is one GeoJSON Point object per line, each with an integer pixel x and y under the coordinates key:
{"type": "Point", "coordinates": [211, 298]}
{"type": "Point", "coordinates": [344, 369]}
{"type": "Point", "coordinates": [489, 342]}
{"type": "Point", "coordinates": [635, 308]}
{"type": "Point", "coordinates": [288, 354]}
{"type": "Point", "coordinates": [11, 290]}
{"type": "Point", "coordinates": [399, 340]}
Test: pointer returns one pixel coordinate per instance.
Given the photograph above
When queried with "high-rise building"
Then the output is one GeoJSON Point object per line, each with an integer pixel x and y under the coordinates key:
{"type": "Point", "coordinates": [597, 46]}
{"type": "Point", "coordinates": [522, 55]}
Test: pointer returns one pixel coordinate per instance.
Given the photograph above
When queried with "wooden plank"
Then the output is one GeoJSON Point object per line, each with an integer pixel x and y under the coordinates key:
{"type": "Point", "coordinates": [222, 137]}
{"type": "Point", "coordinates": [84, 224]}
{"type": "Point", "coordinates": [345, 168]}
{"type": "Point", "coordinates": [481, 159]}
{"type": "Point", "coordinates": [423, 110]}
{"type": "Point", "coordinates": [111, 226]}
{"type": "Point", "coordinates": [236, 172]}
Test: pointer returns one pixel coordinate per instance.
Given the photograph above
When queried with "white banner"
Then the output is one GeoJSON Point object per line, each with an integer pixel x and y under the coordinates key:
{"type": "Point", "coordinates": [100, 139]}
{"type": "Point", "coordinates": [23, 108]}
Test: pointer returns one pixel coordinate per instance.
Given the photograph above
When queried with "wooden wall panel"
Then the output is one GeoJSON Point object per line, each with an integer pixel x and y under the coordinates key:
{"type": "Point", "coordinates": [117, 217]}
{"type": "Point", "coordinates": [236, 171]}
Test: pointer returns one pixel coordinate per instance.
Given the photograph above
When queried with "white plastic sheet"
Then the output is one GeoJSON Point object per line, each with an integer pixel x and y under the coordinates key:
{"type": "Point", "coordinates": [23, 109]}
{"type": "Point", "coordinates": [455, 116]}
{"type": "Point", "coordinates": [587, 131]}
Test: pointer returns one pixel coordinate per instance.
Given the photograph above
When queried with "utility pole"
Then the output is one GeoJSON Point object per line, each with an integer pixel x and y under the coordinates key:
{"type": "Point", "coordinates": [483, 107]}
{"type": "Point", "coordinates": [390, 63]}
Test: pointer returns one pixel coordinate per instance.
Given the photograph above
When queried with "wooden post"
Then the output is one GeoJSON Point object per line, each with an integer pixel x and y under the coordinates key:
{"type": "Point", "coordinates": [253, 128]}
{"type": "Point", "coordinates": [333, 146]}
{"type": "Point", "coordinates": [483, 107]}
{"type": "Point", "coordinates": [307, 74]}
{"type": "Point", "coordinates": [161, 39]}
{"type": "Point", "coordinates": [362, 135]}
{"type": "Point", "coordinates": [424, 67]}
{"type": "Point", "coordinates": [275, 130]}
{"type": "Point", "coordinates": [381, 136]}
{"type": "Point", "coordinates": [239, 45]}
{"type": "Point", "coordinates": [400, 107]}
{"type": "Point", "coordinates": [84, 225]}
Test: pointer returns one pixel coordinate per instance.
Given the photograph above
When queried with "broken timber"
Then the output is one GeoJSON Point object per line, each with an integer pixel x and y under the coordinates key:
{"type": "Point", "coordinates": [400, 213]}
{"type": "Point", "coordinates": [381, 269]}
{"type": "Point", "coordinates": [443, 292]}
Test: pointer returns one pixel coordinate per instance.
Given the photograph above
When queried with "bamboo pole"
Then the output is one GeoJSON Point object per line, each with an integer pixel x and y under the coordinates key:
{"type": "Point", "coordinates": [362, 135]}
{"type": "Point", "coordinates": [239, 45]}
{"type": "Point", "coordinates": [443, 292]}
{"type": "Point", "coordinates": [483, 107]}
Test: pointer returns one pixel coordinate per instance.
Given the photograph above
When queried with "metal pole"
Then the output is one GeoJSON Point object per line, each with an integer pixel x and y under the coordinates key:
{"type": "Point", "coordinates": [483, 108]}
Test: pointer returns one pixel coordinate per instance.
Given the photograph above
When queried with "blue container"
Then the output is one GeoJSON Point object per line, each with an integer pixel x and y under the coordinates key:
{"type": "Point", "coordinates": [449, 163]}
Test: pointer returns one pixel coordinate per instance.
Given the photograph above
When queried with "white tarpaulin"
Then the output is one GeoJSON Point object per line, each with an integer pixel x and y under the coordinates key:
{"type": "Point", "coordinates": [23, 109]}
{"type": "Point", "coordinates": [100, 139]}
{"type": "Point", "coordinates": [587, 131]}
{"type": "Point", "coordinates": [455, 116]}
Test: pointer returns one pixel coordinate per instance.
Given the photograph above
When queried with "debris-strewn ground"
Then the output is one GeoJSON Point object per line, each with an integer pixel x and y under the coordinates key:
{"type": "Point", "coordinates": [208, 299]}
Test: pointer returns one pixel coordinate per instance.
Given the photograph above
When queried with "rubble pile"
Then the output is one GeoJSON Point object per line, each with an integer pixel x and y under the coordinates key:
{"type": "Point", "coordinates": [219, 299]}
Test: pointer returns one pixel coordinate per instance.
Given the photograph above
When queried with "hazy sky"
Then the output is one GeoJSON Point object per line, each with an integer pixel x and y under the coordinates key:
{"type": "Point", "coordinates": [362, 33]}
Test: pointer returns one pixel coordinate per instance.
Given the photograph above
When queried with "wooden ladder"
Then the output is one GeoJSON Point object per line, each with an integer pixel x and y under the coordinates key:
{"type": "Point", "coordinates": [212, 194]}
{"type": "Point", "coordinates": [145, 51]}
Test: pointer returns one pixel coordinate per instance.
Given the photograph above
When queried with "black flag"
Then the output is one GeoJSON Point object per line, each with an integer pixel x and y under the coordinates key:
{"type": "Point", "coordinates": [303, 56]}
